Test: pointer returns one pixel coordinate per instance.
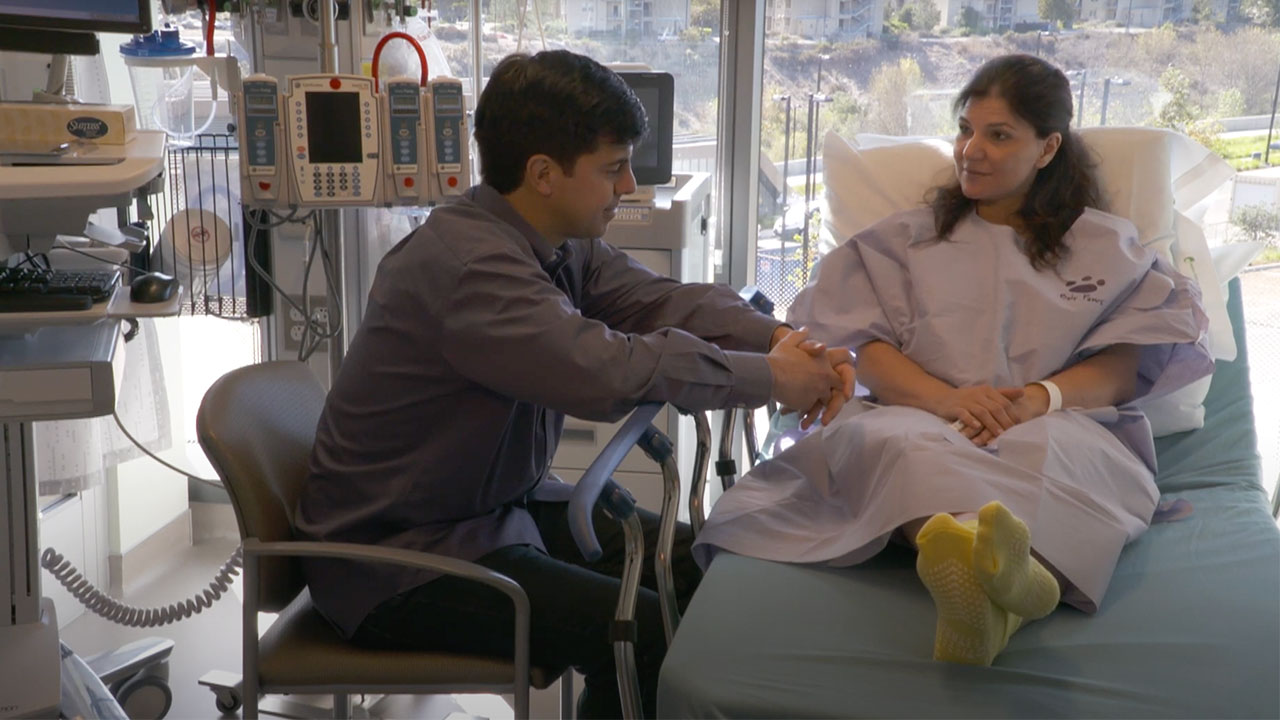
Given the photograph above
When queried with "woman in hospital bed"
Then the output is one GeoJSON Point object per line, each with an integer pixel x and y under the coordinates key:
{"type": "Point", "coordinates": [1003, 333]}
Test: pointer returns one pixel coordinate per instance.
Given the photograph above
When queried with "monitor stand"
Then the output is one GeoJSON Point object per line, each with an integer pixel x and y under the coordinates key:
{"type": "Point", "coordinates": [26, 646]}
{"type": "Point", "coordinates": [54, 373]}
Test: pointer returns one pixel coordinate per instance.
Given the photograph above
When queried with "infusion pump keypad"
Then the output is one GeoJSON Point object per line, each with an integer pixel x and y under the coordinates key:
{"type": "Point", "coordinates": [333, 182]}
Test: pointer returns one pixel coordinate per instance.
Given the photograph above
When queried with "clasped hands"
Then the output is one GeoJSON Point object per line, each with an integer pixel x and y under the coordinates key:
{"type": "Point", "coordinates": [983, 412]}
{"type": "Point", "coordinates": [809, 376]}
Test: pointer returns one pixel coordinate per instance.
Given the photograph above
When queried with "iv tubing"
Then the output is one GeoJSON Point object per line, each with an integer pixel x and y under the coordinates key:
{"type": "Point", "coordinates": [210, 14]}
{"type": "Point", "coordinates": [377, 52]}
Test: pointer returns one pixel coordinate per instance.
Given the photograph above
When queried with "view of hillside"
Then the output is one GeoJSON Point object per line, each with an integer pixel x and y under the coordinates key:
{"type": "Point", "coordinates": [902, 83]}
{"type": "Point", "coordinates": [1170, 76]}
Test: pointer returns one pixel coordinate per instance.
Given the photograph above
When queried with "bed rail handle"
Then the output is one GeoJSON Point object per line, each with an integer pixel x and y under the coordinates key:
{"type": "Point", "coordinates": [599, 478]}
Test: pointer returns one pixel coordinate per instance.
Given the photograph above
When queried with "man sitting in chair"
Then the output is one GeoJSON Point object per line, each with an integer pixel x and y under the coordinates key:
{"type": "Point", "coordinates": [501, 314]}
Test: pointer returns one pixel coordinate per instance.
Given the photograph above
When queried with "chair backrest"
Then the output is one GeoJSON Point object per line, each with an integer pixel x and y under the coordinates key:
{"type": "Point", "coordinates": [256, 424]}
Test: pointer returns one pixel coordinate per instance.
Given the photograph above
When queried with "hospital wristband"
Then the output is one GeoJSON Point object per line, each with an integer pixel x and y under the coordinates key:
{"type": "Point", "coordinates": [1055, 393]}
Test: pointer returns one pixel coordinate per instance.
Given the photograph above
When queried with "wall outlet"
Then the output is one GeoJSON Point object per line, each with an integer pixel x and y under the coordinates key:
{"type": "Point", "coordinates": [294, 327]}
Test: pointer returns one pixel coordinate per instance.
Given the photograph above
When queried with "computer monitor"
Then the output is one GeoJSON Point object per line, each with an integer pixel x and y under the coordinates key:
{"type": "Point", "coordinates": [651, 159]}
{"type": "Point", "coordinates": [66, 27]}
{"type": "Point", "coordinates": [125, 16]}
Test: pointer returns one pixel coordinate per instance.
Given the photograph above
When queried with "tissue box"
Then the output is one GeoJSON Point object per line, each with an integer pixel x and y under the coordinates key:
{"type": "Point", "coordinates": [26, 123]}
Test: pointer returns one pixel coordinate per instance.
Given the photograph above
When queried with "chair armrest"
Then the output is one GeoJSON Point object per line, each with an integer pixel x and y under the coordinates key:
{"type": "Point", "coordinates": [598, 485]}
{"type": "Point", "coordinates": [397, 556]}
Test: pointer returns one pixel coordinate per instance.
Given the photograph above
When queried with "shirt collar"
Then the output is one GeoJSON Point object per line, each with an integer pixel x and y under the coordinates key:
{"type": "Point", "coordinates": [492, 202]}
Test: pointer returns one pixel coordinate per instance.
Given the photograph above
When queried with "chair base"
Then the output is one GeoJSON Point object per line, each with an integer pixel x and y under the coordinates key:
{"type": "Point", "coordinates": [226, 687]}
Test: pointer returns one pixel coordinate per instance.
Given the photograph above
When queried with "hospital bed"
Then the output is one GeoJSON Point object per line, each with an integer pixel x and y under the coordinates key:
{"type": "Point", "coordinates": [1189, 628]}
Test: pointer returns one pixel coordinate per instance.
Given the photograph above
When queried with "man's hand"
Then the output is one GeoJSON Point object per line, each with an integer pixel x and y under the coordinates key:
{"type": "Point", "coordinates": [842, 362]}
{"type": "Point", "coordinates": [779, 333]}
{"type": "Point", "coordinates": [802, 373]}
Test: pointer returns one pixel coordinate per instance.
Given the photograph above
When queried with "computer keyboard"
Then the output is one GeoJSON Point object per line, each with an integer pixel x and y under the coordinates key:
{"type": "Point", "coordinates": [37, 290]}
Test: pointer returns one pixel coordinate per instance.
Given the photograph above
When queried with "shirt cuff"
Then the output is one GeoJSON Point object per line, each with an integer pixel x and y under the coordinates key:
{"type": "Point", "coordinates": [756, 330]}
{"type": "Point", "coordinates": [752, 379]}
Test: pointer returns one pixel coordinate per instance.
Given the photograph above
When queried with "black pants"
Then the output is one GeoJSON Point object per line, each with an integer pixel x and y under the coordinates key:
{"type": "Point", "coordinates": [572, 604]}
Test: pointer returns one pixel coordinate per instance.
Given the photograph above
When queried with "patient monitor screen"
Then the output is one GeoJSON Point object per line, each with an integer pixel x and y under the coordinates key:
{"type": "Point", "coordinates": [333, 127]}
{"type": "Point", "coordinates": [651, 158]}
{"type": "Point", "coordinates": [645, 154]}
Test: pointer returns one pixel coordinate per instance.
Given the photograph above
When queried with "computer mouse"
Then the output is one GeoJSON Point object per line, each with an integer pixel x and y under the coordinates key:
{"type": "Point", "coordinates": [152, 287]}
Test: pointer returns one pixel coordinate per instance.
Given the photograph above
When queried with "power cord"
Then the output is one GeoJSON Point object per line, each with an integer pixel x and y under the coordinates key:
{"type": "Point", "coordinates": [39, 261]}
{"type": "Point", "coordinates": [162, 461]}
{"type": "Point", "coordinates": [314, 331]}
{"type": "Point", "coordinates": [91, 256]}
{"type": "Point", "coordinates": [103, 605]}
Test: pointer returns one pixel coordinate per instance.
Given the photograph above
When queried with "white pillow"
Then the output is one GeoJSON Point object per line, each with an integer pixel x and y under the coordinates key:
{"type": "Point", "coordinates": [863, 186]}
{"type": "Point", "coordinates": [866, 184]}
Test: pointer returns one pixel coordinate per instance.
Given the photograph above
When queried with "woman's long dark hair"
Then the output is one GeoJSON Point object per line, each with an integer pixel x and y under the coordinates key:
{"type": "Point", "coordinates": [1040, 94]}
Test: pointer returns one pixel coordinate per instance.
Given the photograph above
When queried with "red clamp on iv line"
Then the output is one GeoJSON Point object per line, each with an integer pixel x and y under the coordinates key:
{"type": "Point", "coordinates": [377, 51]}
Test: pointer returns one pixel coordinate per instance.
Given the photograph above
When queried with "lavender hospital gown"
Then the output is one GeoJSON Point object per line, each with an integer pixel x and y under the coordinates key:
{"type": "Point", "coordinates": [971, 310]}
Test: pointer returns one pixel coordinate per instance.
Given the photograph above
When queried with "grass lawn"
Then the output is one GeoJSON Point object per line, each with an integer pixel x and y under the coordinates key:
{"type": "Point", "coordinates": [1238, 151]}
{"type": "Point", "coordinates": [1267, 257]}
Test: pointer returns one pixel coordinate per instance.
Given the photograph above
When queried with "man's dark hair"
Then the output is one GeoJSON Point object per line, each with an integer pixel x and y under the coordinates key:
{"type": "Point", "coordinates": [556, 103]}
{"type": "Point", "coordinates": [1040, 94]}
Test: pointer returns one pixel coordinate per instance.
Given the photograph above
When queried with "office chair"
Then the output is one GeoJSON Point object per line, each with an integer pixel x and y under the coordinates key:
{"type": "Point", "coordinates": [256, 424]}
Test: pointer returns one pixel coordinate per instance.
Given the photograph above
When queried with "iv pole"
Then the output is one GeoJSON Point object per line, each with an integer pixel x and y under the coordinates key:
{"type": "Point", "coordinates": [331, 220]}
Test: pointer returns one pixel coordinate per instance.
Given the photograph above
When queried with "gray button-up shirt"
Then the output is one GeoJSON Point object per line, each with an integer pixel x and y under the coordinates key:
{"type": "Point", "coordinates": [478, 338]}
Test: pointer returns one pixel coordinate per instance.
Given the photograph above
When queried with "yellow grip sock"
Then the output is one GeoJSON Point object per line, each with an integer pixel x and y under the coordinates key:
{"type": "Point", "coordinates": [971, 628]}
{"type": "Point", "coordinates": [1002, 560]}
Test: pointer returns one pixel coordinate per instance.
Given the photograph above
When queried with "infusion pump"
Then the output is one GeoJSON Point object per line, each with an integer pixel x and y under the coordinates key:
{"type": "Point", "coordinates": [336, 141]}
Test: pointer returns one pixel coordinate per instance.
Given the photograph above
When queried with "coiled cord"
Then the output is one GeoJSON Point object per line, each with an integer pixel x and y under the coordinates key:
{"type": "Point", "coordinates": [103, 605]}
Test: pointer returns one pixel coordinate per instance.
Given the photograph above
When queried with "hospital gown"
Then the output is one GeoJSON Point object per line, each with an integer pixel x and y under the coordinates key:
{"type": "Point", "coordinates": [971, 310]}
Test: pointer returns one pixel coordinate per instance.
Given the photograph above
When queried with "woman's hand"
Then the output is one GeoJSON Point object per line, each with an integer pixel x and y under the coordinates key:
{"type": "Point", "coordinates": [1033, 403]}
{"type": "Point", "coordinates": [982, 411]}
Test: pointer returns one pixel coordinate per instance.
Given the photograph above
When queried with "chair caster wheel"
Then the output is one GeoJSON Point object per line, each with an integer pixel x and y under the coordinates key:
{"type": "Point", "coordinates": [227, 701]}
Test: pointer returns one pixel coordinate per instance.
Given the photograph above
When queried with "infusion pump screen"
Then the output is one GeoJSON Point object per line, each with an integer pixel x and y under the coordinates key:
{"type": "Point", "coordinates": [404, 105]}
{"type": "Point", "coordinates": [333, 127]}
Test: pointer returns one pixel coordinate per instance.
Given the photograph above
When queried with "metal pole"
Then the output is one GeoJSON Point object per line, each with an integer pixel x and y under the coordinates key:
{"type": "Point", "coordinates": [328, 37]}
{"type": "Point", "coordinates": [1084, 77]}
{"type": "Point", "coordinates": [810, 166]}
{"type": "Point", "coordinates": [786, 154]}
{"type": "Point", "coordinates": [1106, 95]}
{"type": "Point", "coordinates": [624, 650]}
{"type": "Point", "coordinates": [808, 187]}
{"type": "Point", "coordinates": [329, 222]}
{"type": "Point", "coordinates": [786, 167]}
{"type": "Point", "coordinates": [1272, 124]}
{"type": "Point", "coordinates": [477, 59]}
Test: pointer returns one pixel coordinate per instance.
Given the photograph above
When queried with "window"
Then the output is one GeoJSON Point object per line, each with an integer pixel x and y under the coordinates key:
{"type": "Point", "coordinates": [675, 36]}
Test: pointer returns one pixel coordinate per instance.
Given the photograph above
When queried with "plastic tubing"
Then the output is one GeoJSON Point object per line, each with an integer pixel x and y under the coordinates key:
{"type": "Point", "coordinates": [377, 52]}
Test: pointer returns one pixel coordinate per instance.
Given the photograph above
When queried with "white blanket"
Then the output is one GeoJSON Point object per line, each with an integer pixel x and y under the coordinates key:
{"type": "Point", "coordinates": [971, 310]}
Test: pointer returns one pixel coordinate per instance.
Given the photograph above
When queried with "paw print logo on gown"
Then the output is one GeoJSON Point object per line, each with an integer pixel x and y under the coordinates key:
{"type": "Point", "coordinates": [1085, 285]}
